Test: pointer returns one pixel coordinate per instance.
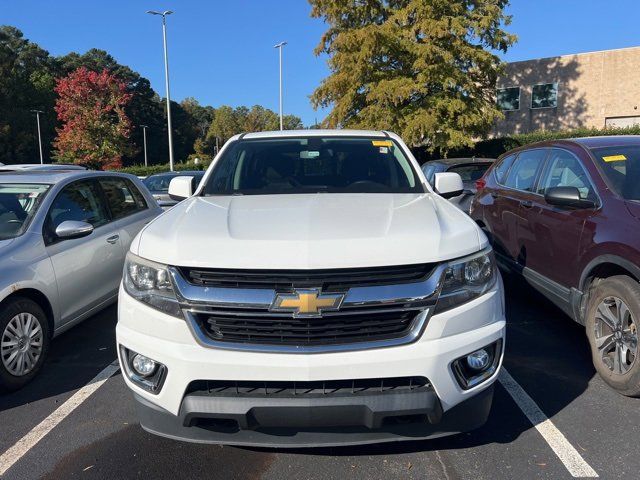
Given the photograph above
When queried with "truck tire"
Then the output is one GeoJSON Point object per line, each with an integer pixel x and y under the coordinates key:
{"type": "Point", "coordinates": [612, 320]}
{"type": "Point", "coordinates": [24, 342]}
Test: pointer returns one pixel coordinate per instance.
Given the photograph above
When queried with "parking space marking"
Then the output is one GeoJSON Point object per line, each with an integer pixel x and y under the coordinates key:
{"type": "Point", "coordinates": [22, 446]}
{"type": "Point", "coordinates": [567, 454]}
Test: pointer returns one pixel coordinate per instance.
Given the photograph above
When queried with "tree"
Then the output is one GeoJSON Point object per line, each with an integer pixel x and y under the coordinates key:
{"type": "Point", "coordinates": [145, 107]}
{"type": "Point", "coordinates": [27, 75]}
{"type": "Point", "coordinates": [422, 68]}
{"type": "Point", "coordinates": [95, 128]}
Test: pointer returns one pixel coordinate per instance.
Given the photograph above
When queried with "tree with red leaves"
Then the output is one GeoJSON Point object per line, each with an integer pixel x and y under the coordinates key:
{"type": "Point", "coordinates": [95, 128]}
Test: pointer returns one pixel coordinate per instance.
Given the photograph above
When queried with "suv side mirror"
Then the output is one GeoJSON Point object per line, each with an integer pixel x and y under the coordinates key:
{"type": "Point", "coordinates": [448, 184]}
{"type": "Point", "coordinates": [180, 188]}
{"type": "Point", "coordinates": [73, 229]}
{"type": "Point", "coordinates": [567, 197]}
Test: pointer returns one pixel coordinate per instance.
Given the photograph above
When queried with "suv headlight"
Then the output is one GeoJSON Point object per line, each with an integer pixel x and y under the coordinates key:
{"type": "Point", "coordinates": [150, 283]}
{"type": "Point", "coordinates": [465, 279]}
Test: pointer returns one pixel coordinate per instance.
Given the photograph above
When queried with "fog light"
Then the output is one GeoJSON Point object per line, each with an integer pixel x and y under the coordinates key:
{"type": "Point", "coordinates": [144, 372]}
{"type": "Point", "coordinates": [477, 367]}
{"type": "Point", "coordinates": [143, 366]}
{"type": "Point", "coordinates": [478, 360]}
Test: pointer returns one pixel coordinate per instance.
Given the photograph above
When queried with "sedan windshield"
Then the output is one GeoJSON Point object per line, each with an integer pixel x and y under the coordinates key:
{"type": "Point", "coordinates": [18, 203]}
{"type": "Point", "coordinates": [621, 168]}
{"type": "Point", "coordinates": [313, 165]}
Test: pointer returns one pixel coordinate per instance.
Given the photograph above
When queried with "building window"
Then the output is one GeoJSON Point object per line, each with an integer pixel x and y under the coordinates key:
{"type": "Point", "coordinates": [544, 95]}
{"type": "Point", "coordinates": [508, 98]}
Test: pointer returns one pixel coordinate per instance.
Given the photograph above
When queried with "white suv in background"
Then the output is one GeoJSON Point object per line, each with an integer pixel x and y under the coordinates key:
{"type": "Point", "coordinates": [314, 290]}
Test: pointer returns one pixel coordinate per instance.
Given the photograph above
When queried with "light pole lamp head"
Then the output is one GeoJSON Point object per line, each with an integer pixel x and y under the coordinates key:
{"type": "Point", "coordinates": [155, 12]}
{"type": "Point", "coordinates": [36, 111]}
{"type": "Point", "coordinates": [280, 45]}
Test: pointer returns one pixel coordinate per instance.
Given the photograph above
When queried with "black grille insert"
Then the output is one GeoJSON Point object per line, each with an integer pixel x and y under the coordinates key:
{"type": "Point", "coordinates": [328, 279]}
{"type": "Point", "coordinates": [345, 326]}
{"type": "Point", "coordinates": [366, 386]}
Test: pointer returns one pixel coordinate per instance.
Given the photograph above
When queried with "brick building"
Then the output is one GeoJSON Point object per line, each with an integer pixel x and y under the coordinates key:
{"type": "Point", "coordinates": [595, 89]}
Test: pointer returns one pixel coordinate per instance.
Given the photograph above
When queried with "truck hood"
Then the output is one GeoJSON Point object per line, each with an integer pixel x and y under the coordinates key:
{"type": "Point", "coordinates": [309, 231]}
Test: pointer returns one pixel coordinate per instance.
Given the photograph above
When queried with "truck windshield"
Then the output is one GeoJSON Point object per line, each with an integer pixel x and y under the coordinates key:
{"type": "Point", "coordinates": [621, 168]}
{"type": "Point", "coordinates": [18, 203]}
{"type": "Point", "coordinates": [312, 165]}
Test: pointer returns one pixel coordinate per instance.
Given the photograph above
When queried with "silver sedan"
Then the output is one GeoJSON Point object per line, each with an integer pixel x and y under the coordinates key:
{"type": "Point", "coordinates": [63, 240]}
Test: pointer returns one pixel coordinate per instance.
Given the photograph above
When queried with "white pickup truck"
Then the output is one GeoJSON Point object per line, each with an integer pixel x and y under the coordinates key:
{"type": "Point", "coordinates": [314, 290]}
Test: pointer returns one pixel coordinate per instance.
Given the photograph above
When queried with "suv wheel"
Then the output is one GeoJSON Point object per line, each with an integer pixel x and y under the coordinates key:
{"type": "Point", "coordinates": [613, 316]}
{"type": "Point", "coordinates": [24, 342]}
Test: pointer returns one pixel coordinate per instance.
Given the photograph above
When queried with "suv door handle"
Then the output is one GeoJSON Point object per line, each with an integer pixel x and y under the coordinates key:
{"type": "Point", "coordinates": [526, 203]}
{"type": "Point", "coordinates": [113, 239]}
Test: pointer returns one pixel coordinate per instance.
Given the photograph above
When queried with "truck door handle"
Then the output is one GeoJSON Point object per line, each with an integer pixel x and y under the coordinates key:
{"type": "Point", "coordinates": [526, 203]}
{"type": "Point", "coordinates": [113, 239]}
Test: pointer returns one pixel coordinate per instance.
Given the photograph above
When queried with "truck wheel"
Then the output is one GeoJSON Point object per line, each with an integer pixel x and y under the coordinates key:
{"type": "Point", "coordinates": [612, 319]}
{"type": "Point", "coordinates": [24, 342]}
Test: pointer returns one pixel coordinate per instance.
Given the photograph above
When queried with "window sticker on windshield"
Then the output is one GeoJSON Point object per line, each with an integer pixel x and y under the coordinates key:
{"type": "Point", "coordinates": [384, 149]}
{"type": "Point", "coordinates": [614, 158]}
{"type": "Point", "coordinates": [309, 154]}
{"type": "Point", "coordinates": [382, 143]}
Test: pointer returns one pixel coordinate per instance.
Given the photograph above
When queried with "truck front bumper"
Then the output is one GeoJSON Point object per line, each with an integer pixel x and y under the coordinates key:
{"type": "Point", "coordinates": [314, 422]}
{"type": "Point", "coordinates": [176, 411]}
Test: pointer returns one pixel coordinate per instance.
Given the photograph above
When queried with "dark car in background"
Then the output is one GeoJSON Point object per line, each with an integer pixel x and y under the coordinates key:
{"type": "Point", "coordinates": [158, 185]}
{"type": "Point", "coordinates": [469, 169]}
{"type": "Point", "coordinates": [566, 215]}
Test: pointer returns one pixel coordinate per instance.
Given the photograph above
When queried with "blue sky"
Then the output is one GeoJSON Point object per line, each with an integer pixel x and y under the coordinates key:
{"type": "Point", "coordinates": [221, 52]}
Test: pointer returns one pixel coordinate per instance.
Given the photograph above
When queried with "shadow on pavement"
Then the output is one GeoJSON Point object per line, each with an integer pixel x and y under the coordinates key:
{"type": "Point", "coordinates": [75, 357]}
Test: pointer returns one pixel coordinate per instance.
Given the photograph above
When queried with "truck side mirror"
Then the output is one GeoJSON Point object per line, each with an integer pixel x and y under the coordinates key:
{"type": "Point", "coordinates": [448, 184]}
{"type": "Point", "coordinates": [181, 188]}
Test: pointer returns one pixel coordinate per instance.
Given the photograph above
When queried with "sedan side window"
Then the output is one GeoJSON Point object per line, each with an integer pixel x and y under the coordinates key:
{"type": "Point", "coordinates": [122, 196]}
{"type": "Point", "coordinates": [79, 201]}
{"type": "Point", "coordinates": [522, 175]}
{"type": "Point", "coordinates": [503, 167]}
{"type": "Point", "coordinates": [565, 170]}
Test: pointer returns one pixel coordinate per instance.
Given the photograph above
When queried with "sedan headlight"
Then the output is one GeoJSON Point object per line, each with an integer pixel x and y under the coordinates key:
{"type": "Point", "coordinates": [150, 283]}
{"type": "Point", "coordinates": [465, 279]}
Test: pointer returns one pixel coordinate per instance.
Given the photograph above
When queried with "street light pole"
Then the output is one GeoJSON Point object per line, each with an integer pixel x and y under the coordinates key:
{"type": "Point", "coordinates": [144, 140]}
{"type": "Point", "coordinates": [38, 112]}
{"type": "Point", "coordinates": [166, 79]}
{"type": "Point", "coordinates": [279, 46]}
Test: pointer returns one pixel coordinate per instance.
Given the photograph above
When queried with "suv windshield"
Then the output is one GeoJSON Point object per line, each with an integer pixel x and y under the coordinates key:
{"type": "Point", "coordinates": [621, 168]}
{"type": "Point", "coordinates": [311, 165]}
{"type": "Point", "coordinates": [18, 203]}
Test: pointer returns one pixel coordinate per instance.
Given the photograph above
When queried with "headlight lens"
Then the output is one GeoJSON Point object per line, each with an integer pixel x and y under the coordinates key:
{"type": "Point", "coordinates": [150, 283]}
{"type": "Point", "coordinates": [466, 279]}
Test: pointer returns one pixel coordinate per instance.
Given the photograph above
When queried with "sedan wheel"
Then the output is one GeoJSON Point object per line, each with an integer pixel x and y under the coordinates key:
{"type": "Point", "coordinates": [24, 342]}
{"type": "Point", "coordinates": [21, 344]}
{"type": "Point", "coordinates": [616, 335]}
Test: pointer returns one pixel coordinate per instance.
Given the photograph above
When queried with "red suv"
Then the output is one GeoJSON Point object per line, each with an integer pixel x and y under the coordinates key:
{"type": "Point", "coordinates": [566, 215]}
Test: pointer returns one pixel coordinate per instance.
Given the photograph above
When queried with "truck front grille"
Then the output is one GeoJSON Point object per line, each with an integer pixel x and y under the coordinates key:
{"type": "Point", "coordinates": [332, 328]}
{"type": "Point", "coordinates": [359, 386]}
{"type": "Point", "coordinates": [327, 279]}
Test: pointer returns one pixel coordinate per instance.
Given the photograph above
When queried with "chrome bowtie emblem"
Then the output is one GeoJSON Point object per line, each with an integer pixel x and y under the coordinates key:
{"type": "Point", "coordinates": [307, 302]}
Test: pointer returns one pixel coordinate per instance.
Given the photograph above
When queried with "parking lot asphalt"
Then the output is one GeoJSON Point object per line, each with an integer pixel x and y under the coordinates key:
{"type": "Point", "coordinates": [547, 355]}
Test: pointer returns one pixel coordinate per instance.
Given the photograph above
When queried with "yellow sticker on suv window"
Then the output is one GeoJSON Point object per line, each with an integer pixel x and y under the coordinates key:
{"type": "Point", "coordinates": [382, 143]}
{"type": "Point", "coordinates": [614, 158]}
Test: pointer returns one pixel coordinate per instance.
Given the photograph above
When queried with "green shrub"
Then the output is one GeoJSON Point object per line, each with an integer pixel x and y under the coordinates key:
{"type": "Point", "coordinates": [142, 171]}
{"type": "Point", "coordinates": [494, 147]}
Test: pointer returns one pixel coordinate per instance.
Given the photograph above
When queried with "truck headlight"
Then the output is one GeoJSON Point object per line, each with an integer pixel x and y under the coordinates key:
{"type": "Point", "coordinates": [150, 283]}
{"type": "Point", "coordinates": [465, 279]}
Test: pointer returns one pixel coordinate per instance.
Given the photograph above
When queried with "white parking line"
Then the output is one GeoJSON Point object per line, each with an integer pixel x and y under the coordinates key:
{"type": "Point", "coordinates": [568, 455]}
{"type": "Point", "coordinates": [22, 446]}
